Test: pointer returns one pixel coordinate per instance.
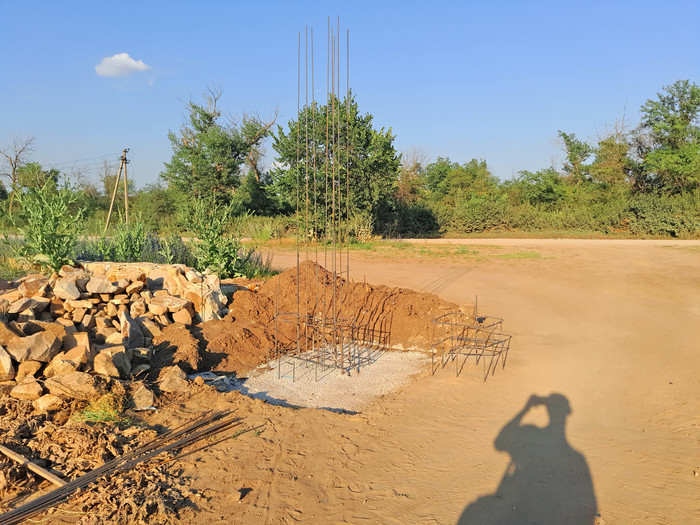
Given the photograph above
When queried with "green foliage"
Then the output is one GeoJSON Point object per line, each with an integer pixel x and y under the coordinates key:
{"type": "Point", "coordinates": [208, 155]}
{"type": "Point", "coordinates": [158, 208]}
{"type": "Point", "coordinates": [577, 152]}
{"type": "Point", "coordinates": [253, 196]}
{"type": "Point", "coordinates": [215, 249]}
{"type": "Point", "coordinates": [667, 216]}
{"type": "Point", "coordinates": [313, 157]}
{"type": "Point", "coordinates": [544, 187]}
{"type": "Point", "coordinates": [266, 228]}
{"type": "Point", "coordinates": [479, 214]}
{"type": "Point", "coordinates": [672, 158]}
{"type": "Point", "coordinates": [612, 166]}
{"type": "Point", "coordinates": [49, 222]}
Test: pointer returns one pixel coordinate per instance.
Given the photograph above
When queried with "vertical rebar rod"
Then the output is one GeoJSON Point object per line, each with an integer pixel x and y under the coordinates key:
{"type": "Point", "coordinates": [298, 184]}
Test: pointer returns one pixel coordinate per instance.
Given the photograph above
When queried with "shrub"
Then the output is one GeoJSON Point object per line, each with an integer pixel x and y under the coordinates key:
{"type": "Point", "coordinates": [214, 248]}
{"type": "Point", "coordinates": [50, 221]}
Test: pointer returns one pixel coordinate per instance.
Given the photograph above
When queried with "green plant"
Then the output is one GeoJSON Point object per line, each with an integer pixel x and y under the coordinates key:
{"type": "Point", "coordinates": [215, 249]}
{"type": "Point", "coordinates": [108, 408]}
{"type": "Point", "coordinates": [49, 222]}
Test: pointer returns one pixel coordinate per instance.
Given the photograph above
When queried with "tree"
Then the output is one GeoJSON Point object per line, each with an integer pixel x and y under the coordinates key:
{"type": "Point", "coordinates": [410, 180]}
{"type": "Point", "coordinates": [612, 165]}
{"type": "Point", "coordinates": [449, 180]}
{"type": "Point", "coordinates": [16, 156]}
{"type": "Point", "coordinates": [543, 187]}
{"type": "Point", "coordinates": [208, 155]}
{"type": "Point", "coordinates": [329, 142]}
{"type": "Point", "coordinates": [32, 175]}
{"type": "Point", "coordinates": [669, 142]}
{"type": "Point", "coordinates": [577, 152]}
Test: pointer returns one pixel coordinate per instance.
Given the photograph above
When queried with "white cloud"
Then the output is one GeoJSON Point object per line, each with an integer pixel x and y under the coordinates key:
{"type": "Point", "coordinates": [120, 65]}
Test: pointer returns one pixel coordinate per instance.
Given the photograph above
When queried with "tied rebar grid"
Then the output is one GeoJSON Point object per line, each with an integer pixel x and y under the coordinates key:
{"type": "Point", "coordinates": [329, 332]}
{"type": "Point", "coordinates": [458, 336]}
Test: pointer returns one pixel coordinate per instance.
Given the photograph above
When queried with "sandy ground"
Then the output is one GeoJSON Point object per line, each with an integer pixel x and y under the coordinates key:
{"type": "Point", "coordinates": [612, 327]}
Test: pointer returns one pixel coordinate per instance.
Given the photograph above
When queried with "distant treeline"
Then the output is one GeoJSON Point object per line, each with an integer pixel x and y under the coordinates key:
{"type": "Point", "coordinates": [639, 181]}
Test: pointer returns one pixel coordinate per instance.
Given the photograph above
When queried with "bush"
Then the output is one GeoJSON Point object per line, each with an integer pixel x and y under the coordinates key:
{"type": "Point", "coordinates": [214, 248]}
{"type": "Point", "coordinates": [49, 222]}
{"type": "Point", "coordinates": [479, 214]}
{"type": "Point", "coordinates": [676, 216]}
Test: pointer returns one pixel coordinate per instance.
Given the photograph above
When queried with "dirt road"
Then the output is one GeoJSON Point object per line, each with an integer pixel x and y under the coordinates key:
{"type": "Point", "coordinates": [611, 326]}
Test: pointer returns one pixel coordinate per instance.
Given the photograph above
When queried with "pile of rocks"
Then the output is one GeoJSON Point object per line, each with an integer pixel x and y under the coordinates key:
{"type": "Point", "coordinates": [69, 333]}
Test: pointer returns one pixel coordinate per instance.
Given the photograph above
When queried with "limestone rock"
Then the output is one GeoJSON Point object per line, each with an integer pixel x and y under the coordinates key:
{"type": "Point", "coordinates": [33, 284]}
{"type": "Point", "coordinates": [7, 335]}
{"type": "Point", "coordinates": [10, 295]}
{"type": "Point", "coordinates": [112, 362]}
{"type": "Point", "coordinates": [66, 289]}
{"type": "Point", "coordinates": [78, 355]}
{"type": "Point", "coordinates": [28, 389]}
{"type": "Point", "coordinates": [26, 315]}
{"type": "Point", "coordinates": [130, 330]}
{"type": "Point", "coordinates": [172, 379]}
{"type": "Point", "coordinates": [76, 385]}
{"type": "Point", "coordinates": [27, 369]}
{"type": "Point", "coordinates": [74, 304]}
{"type": "Point", "coordinates": [115, 338]}
{"type": "Point", "coordinates": [35, 304]}
{"type": "Point", "coordinates": [47, 402]}
{"type": "Point", "coordinates": [7, 369]}
{"type": "Point", "coordinates": [182, 316]}
{"type": "Point", "coordinates": [148, 327]}
{"type": "Point", "coordinates": [71, 271]}
{"type": "Point", "coordinates": [138, 308]}
{"type": "Point", "coordinates": [78, 314]}
{"type": "Point", "coordinates": [42, 346]}
{"type": "Point", "coordinates": [135, 287]}
{"type": "Point", "coordinates": [77, 339]}
{"type": "Point", "coordinates": [59, 365]}
{"type": "Point", "coordinates": [167, 303]}
{"type": "Point", "coordinates": [143, 398]}
{"type": "Point", "coordinates": [100, 284]}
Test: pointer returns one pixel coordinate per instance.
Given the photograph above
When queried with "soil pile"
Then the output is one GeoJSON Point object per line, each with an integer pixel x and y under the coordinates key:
{"type": "Point", "coordinates": [241, 341]}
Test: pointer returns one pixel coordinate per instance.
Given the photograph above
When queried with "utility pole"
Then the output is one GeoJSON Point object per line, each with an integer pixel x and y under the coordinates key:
{"type": "Point", "coordinates": [122, 166]}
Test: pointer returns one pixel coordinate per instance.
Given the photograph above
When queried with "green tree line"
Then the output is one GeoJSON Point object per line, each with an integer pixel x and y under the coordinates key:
{"type": "Point", "coordinates": [640, 181]}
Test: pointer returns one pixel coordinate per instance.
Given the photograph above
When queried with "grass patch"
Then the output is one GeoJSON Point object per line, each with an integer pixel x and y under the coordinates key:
{"type": "Point", "coordinates": [519, 255]}
{"type": "Point", "coordinates": [108, 408]}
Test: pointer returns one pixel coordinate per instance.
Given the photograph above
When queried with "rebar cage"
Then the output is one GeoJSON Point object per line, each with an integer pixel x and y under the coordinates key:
{"type": "Point", "coordinates": [458, 336]}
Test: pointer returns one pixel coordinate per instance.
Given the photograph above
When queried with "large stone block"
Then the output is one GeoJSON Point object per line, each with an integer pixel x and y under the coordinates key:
{"type": "Point", "coordinates": [42, 346]}
{"type": "Point", "coordinates": [29, 389]}
{"type": "Point", "coordinates": [76, 385]}
{"type": "Point", "coordinates": [130, 330]}
{"type": "Point", "coordinates": [27, 369]}
{"type": "Point", "coordinates": [101, 284]}
{"type": "Point", "coordinates": [66, 288]}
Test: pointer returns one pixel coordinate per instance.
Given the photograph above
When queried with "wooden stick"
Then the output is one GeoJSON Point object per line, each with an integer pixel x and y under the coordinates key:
{"type": "Point", "coordinates": [19, 458]}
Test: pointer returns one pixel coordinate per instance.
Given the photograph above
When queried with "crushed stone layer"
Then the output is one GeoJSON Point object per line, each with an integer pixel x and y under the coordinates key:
{"type": "Point", "coordinates": [388, 372]}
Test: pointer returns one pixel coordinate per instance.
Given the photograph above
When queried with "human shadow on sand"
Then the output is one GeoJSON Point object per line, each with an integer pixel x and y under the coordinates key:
{"type": "Point", "coordinates": [546, 480]}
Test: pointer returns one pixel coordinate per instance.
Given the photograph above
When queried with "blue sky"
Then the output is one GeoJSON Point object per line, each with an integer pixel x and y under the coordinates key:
{"type": "Point", "coordinates": [487, 80]}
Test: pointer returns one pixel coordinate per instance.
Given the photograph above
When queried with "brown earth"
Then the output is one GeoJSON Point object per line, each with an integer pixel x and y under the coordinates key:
{"type": "Point", "coordinates": [241, 341]}
{"type": "Point", "coordinates": [610, 327]}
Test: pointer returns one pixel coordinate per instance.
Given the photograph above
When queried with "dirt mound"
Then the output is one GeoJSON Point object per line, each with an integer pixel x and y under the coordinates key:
{"type": "Point", "coordinates": [241, 341]}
